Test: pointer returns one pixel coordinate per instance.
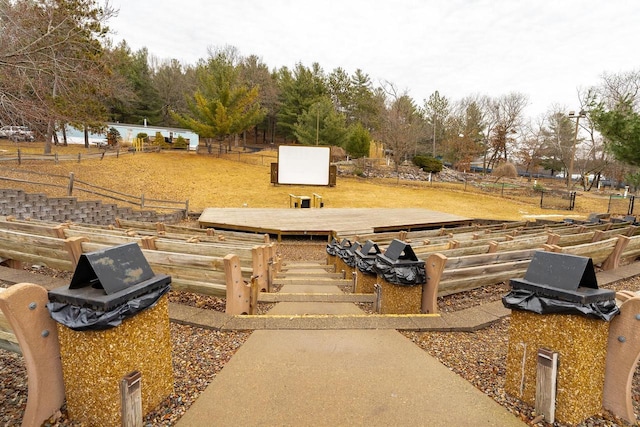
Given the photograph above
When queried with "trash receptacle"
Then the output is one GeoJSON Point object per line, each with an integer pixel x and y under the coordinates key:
{"type": "Point", "coordinates": [345, 260]}
{"type": "Point", "coordinates": [113, 320]}
{"type": "Point", "coordinates": [332, 251]}
{"type": "Point", "coordinates": [559, 313]}
{"type": "Point", "coordinates": [400, 275]}
{"type": "Point", "coordinates": [365, 258]}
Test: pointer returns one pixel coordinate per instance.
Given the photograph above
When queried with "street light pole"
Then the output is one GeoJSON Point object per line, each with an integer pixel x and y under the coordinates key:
{"type": "Point", "coordinates": [573, 115]}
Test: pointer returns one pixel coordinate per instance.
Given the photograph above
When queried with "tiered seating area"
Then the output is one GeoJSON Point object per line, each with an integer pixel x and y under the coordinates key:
{"type": "Point", "coordinates": [194, 258]}
{"type": "Point", "coordinates": [464, 258]}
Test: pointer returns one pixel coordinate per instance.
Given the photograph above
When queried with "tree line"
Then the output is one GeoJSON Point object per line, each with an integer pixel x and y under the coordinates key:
{"type": "Point", "coordinates": [58, 67]}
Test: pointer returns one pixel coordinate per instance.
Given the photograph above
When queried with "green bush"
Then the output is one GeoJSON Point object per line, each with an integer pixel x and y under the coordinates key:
{"type": "Point", "coordinates": [143, 136]}
{"type": "Point", "coordinates": [159, 140]}
{"type": "Point", "coordinates": [358, 141]}
{"type": "Point", "coordinates": [180, 142]}
{"type": "Point", "coordinates": [428, 163]}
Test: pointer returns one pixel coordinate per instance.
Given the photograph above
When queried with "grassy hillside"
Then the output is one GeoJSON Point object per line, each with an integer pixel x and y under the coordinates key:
{"type": "Point", "coordinates": [208, 181]}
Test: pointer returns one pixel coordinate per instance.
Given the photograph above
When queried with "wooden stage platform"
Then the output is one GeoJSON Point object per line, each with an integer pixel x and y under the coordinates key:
{"type": "Point", "coordinates": [325, 221]}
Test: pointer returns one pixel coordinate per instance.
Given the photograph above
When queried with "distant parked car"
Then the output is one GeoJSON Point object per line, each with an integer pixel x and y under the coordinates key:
{"type": "Point", "coordinates": [16, 133]}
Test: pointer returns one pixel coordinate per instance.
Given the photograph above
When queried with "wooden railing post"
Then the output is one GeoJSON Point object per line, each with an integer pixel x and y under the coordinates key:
{"type": "Point", "coordinates": [70, 187]}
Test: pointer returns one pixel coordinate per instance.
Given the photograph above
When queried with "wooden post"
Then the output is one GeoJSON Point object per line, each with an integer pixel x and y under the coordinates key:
{"type": "Point", "coordinates": [74, 247]}
{"type": "Point", "coordinates": [377, 291]}
{"type": "Point", "coordinates": [553, 239]}
{"type": "Point", "coordinates": [25, 308]}
{"type": "Point", "coordinates": [623, 352]}
{"type": "Point", "coordinates": [70, 186]}
{"type": "Point", "coordinates": [149, 242]}
{"type": "Point", "coordinates": [546, 380]}
{"type": "Point", "coordinates": [238, 292]}
{"type": "Point", "coordinates": [259, 268]}
{"type": "Point", "coordinates": [613, 261]}
{"type": "Point", "coordinates": [131, 399]}
{"type": "Point", "coordinates": [434, 266]}
{"type": "Point", "coordinates": [597, 236]}
{"type": "Point", "coordinates": [253, 295]}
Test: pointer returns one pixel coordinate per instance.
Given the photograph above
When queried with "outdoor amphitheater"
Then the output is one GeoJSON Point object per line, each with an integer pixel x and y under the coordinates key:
{"type": "Point", "coordinates": [315, 312]}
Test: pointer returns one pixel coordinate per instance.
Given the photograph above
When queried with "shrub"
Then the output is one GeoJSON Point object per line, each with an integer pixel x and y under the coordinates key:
{"type": "Point", "coordinates": [143, 136]}
{"type": "Point", "coordinates": [180, 142]}
{"type": "Point", "coordinates": [159, 140]}
{"type": "Point", "coordinates": [358, 141]}
{"type": "Point", "coordinates": [505, 170]}
{"type": "Point", "coordinates": [428, 163]}
{"type": "Point", "coordinates": [113, 136]}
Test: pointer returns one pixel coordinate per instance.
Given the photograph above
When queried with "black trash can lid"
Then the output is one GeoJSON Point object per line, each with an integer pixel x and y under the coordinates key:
{"type": "Point", "coordinates": [399, 251]}
{"type": "Point", "coordinates": [110, 277]}
{"type": "Point", "coordinates": [564, 277]}
{"type": "Point", "coordinates": [369, 249]}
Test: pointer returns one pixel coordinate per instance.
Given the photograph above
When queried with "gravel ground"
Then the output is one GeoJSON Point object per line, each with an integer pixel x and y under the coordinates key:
{"type": "Point", "coordinates": [479, 357]}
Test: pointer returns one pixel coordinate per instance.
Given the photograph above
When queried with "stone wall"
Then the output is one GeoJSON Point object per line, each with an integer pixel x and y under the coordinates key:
{"type": "Point", "coordinates": [61, 209]}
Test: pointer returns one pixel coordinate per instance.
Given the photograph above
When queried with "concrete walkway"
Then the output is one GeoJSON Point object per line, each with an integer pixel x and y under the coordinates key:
{"type": "Point", "coordinates": [372, 377]}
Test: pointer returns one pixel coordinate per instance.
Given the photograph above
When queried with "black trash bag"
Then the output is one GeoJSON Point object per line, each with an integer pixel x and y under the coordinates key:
{"type": "Point", "coordinates": [343, 253]}
{"type": "Point", "coordinates": [526, 300]}
{"type": "Point", "coordinates": [366, 265]}
{"type": "Point", "coordinates": [350, 260]}
{"type": "Point", "coordinates": [89, 319]}
{"type": "Point", "coordinates": [348, 254]}
{"type": "Point", "coordinates": [332, 249]}
{"type": "Point", "coordinates": [401, 274]}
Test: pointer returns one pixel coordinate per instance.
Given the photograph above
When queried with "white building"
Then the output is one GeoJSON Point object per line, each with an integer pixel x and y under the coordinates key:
{"type": "Point", "coordinates": [129, 132]}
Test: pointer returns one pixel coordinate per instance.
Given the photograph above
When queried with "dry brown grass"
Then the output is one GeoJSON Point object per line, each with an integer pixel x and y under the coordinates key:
{"type": "Point", "coordinates": [208, 181]}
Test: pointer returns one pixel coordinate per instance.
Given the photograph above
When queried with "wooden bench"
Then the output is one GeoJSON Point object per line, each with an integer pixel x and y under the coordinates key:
{"type": "Point", "coordinates": [446, 276]}
{"type": "Point", "coordinates": [183, 233]}
{"type": "Point", "coordinates": [21, 247]}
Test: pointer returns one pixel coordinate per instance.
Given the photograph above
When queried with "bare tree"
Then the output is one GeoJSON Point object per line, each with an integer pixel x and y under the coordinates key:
{"type": "Point", "coordinates": [620, 87]}
{"type": "Point", "coordinates": [464, 137]}
{"type": "Point", "coordinates": [504, 117]}
{"type": "Point", "coordinates": [531, 150]}
{"type": "Point", "coordinates": [402, 126]}
{"type": "Point", "coordinates": [50, 61]}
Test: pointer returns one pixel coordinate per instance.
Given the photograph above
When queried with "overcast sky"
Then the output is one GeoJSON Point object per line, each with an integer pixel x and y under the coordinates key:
{"type": "Point", "coordinates": [545, 49]}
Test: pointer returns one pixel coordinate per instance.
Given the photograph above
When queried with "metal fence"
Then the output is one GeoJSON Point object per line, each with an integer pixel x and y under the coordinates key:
{"type": "Point", "coordinates": [558, 200]}
{"type": "Point", "coordinates": [622, 205]}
